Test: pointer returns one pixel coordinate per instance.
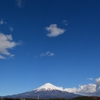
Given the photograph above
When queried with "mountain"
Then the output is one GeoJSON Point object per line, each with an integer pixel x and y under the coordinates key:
{"type": "Point", "coordinates": [46, 91]}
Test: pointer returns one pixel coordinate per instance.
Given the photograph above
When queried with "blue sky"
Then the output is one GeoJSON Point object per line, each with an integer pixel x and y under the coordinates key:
{"type": "Point", "coordinates": [56, 41]}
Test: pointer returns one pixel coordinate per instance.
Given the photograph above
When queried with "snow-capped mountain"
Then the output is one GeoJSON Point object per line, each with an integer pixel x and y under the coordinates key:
{"type": "Point", "coordinates": [45, 91]}
{"type": "Point", "coordinates": [49, 87]}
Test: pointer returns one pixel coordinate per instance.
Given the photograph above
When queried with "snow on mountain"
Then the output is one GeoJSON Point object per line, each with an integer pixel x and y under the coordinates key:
{"type": "Point", "coordinates": [49, 86]}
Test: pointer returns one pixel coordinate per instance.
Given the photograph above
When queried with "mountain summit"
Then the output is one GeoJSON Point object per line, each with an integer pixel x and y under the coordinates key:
{"type": "Point", "coordinates": [45, 91]}
{"type": "Point", "coordinates": [48, 87]}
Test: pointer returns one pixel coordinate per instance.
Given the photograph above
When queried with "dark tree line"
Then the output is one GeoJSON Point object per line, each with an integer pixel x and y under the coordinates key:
{"type": "Point", "coordinates": [77, 98]}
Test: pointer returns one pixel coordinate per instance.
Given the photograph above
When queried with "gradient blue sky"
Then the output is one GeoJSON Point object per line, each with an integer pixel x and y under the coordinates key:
{"type": "Point", "coordinates": [66, 60]}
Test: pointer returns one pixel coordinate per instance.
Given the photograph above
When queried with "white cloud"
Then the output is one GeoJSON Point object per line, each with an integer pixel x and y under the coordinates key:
{"type": "Point", "coordinates": [54, 30]}
{"type": "Point", "coordinates": [72, 90]}
{"type": "Point", "coordinates": [2, 22]}
{"type": "Point", "coordinates": [48, 53]}
{"type": "Point", "coordinates": [90, 89]}
{"type": "Point", "coordinates": [83, 89]}
{"type": "Point", "coordinates": [98, 80]}
{"type": "Point", "coordinates": [6, 43]}
{"type": "Point", "coordinates": [20, 3]}
{"type": "Point", "coordinates": [65, 22]}
{"type": "Point", "coordinates": [11, 29]}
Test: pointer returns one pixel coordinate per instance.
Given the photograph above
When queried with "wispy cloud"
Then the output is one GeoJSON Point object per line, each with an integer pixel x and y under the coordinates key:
{"type": "Point", "coordinates": [35, 56]}
{"type": "Point", "coordinates": [54, 31]}
{"type": "Point", "coordinates": [2, 22]}
{"type": "Point", "coordinates": [2, 57]}
{"type": "Point", "coordinates": [90, 79]}
{"type": "Point", "coordinates": [6, 43]}
{"type": "Point", "coordinates": [65, 22]}
{"type": "Point", "coordinates": [20, 3]}
{"type": "Point", "coordinates": [48, 53]}
{"type": "Point", "coordinates": [11, 29]}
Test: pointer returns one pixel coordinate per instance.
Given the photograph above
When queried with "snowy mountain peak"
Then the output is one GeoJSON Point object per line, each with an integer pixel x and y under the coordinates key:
{"type": "Point", "coordinates": [49, 86]}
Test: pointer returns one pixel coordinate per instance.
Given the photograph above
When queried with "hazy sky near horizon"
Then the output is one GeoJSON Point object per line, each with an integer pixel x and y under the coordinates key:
{"type": "Point", "coordinates": [56, 41]}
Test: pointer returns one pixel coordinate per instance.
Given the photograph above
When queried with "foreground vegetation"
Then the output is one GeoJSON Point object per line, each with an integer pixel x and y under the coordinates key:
{"type": "Point", "coordinates": [86, 98]}
{"type": "Point", "coordinates": [77, 98]}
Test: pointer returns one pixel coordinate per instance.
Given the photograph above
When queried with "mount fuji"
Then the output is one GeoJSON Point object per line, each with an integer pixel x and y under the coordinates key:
{"type": "Point", "coordinates": [45, 91]}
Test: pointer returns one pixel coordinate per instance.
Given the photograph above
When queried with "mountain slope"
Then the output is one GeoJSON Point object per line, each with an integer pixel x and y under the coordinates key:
{"type": "Point", "coordinates": [46, 91]}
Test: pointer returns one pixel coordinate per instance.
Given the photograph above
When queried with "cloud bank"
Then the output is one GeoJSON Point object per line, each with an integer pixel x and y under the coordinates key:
{"type": "Point", "coordinates": [83, 89]}
{"type": "Point", "coordinates": [6, 43]}
{"type": "Point", "coordinates": [54, 31]}
{"type": "Point", "coordinates": [90, 89]}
